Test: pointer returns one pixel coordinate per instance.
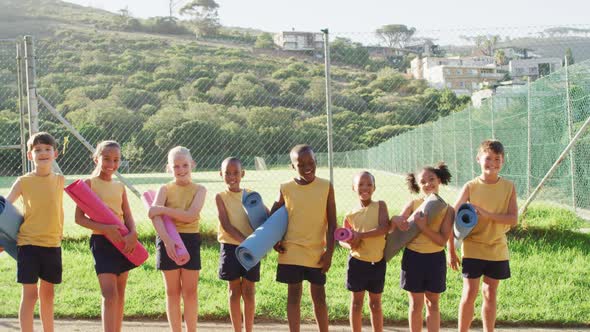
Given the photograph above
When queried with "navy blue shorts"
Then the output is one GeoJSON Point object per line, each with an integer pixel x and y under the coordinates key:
{"type": "Point", "coordinates": [34, 262]}
{"type": "Point", "coordinates": [423, 272]}
{"type": "Point", "coordinates": [231, 269]}
{"type": "Point", "coordinates": [365, 276]}
{"type": "Point", "coordinates": [475, 268]}
{"type": "Point", "coordinates": [192, 242]}
{"type": "Point", "coordinates": [107, 258]}
{"type": "Point", "coordinates": [294, 274]}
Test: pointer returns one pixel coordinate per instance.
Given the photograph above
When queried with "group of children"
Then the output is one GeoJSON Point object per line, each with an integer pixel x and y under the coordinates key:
{"type": "Point", "coordinates": [304, 253]}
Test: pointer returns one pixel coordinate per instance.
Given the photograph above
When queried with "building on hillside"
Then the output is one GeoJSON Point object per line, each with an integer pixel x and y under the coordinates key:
{"type": "Point", "coordinates": [463, 75]}
{"type": "Point", "coordinates": [533, 68]}
{"type": "Point", "coordinates": [299, 41]}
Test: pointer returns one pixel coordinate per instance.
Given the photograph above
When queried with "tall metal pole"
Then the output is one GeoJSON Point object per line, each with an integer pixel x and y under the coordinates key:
{"type": "Point", "coordinates": [328, 103]}
{"type": "Point", "coordinates": [21, 106]}
{"type": "Point", "coordinates": [570, 133]}
{"type": "Point", "coordinates": [529, 138]}
{"type": "Point", "coordinates": [30, 73]}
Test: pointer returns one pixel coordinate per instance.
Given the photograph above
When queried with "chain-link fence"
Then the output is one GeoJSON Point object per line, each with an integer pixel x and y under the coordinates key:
{"type": "Point", "coordinates": [153, 93]}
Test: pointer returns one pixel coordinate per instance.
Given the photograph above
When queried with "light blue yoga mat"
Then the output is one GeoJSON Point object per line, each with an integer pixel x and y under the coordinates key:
{"type": "Point", "coordinates": [397, 240]}
{"type": "Point", "coordinates": [252, 250]}
{"type": "Point", "coordinates": [10, 221]}
{"type": "Point", "coordinates": [465, 221]}
{"type": "Point", "coordinates": [254, 207]}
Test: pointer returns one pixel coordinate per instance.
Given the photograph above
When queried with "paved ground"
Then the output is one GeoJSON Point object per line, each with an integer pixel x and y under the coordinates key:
{"type": "Point", "coordinates": [11, 324]}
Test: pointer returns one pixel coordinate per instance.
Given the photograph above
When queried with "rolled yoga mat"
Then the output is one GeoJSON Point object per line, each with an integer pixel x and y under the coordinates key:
{"type": "Point", "coordinates": [96, 210]}
{"type": "Point", "coordinates": [254, 207]}
{"type": "Point", "coordinates": [342, 234]}
{"type": "Point", "coordinates": [148, 199]}
{"type": "Point", "coordinates": [10, 221]}
{"type": "Point", "coordinates": [396, 240]}
{"type": "Point", "coordinates": [465, 221]}
{"type": "Point", "coordinates": [259, 243]}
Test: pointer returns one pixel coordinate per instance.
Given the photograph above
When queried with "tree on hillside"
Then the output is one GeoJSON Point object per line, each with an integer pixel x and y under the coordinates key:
{"type": "Point", "coordinates": [395, 35]}
{"type": "Point", "coordinates": [264, 40]}
{"type": "Point", "coordinates": [205, 16]}
{"type": "Point", "coordinates": [569, 56]}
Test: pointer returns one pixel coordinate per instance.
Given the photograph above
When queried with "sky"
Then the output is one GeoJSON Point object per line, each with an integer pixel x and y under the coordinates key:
{"type": "Point", "coordinates": [345, 16]}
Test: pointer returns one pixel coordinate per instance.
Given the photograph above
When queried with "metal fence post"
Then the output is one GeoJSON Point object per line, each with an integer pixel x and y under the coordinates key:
{"type": "Point", "coordinates": [30, 73]}
{"type": "Point", "coordinates": [492, 115]}
{"type": "Point", "coordinates": [570, 133]}
{"type": "Point", "coordinates": [21, 106]}
{"type": "Point", "coordinates": [529, 138]}
{"type": "Point", "coordinates": [328, 103]}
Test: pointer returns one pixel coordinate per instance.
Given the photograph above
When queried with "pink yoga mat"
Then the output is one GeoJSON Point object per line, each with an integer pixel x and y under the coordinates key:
{"type": "Point", "coordinates": [96, 210]}
{"type": "Point", "coordinates": [148, 199]}
{"type": "Point", "coordinates": [342, 234]}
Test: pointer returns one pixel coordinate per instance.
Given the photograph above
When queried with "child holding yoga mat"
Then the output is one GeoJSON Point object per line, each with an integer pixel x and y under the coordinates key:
{"type": "Point", "coordinates": [485, 249]}
{"type": "Point", "coordinates": [182, 200]}
{"type": "Point", "coordinates": [233, 229]}
{"type": "Point", "coordinates": [424, 270]}
{"type": "Point", "coordinates": [110, 265]}
{"type": "Point", "coordinates": [369, 222]}
{"type": "Point", "coordinates": [305, 253]}
{"type": "Point", "coordinates": [39, 237]}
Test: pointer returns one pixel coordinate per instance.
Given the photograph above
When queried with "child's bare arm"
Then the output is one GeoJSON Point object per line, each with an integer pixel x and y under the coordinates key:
{"type": "Point", "coordinates": [441, 237]}
{"type": "Point", "coordinates": [157, 221]}
{"type": "Point", "coordinates": [326, 259]}
{"type": "Point", "coordinates": [509, 218]}
{"type": "Point", "coordinates": [184, 216]}
{"type": "Point", "coordinates": [463, 197]}
{"type": "Point", "coordinates": [224, 220]}
{"type": "Point", "coordinates": [401, 220]}
{"type": "Point", "coordinates": [278, 203]}
{"type": "Point", "coordinates": [15, 192]}
{"type": "Point", "coordinates": [131, 238]}
{"type": "Point", "coordinates": [112, 231]}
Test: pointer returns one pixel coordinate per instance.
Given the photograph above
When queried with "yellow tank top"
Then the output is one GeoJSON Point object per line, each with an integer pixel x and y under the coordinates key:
{"type": "Point", "coordinates": [487, 240]}
{"type": "Point", "coordinates": [42, 198]}
{"type": "Point", "coordinates": [111, 194]}
{"type": "Point", "coordinates": [181, 197]}
{"type": "Point", "coordinates": [422, 243]}
{"type": "Point", "coordinates": [305, 238]}
{"type": "Point", "coordinates": [236, 214]}
{"type": "Point", "coordinates": [365, 219]}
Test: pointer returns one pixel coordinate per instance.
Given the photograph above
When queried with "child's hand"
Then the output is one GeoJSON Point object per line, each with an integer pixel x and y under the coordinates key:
{"type": "Point", "coordinates": [400, 222]}
{"type": "Point", "coordinates": [325, 262]}
{"type": "Point", "coordinates": [480, 212]}
{"type": "Point", "coordinates": [453, 260]}
{"type": "Point", "coordinates": [355, 241]}
{"type": "Point", "coordinates": [421, 220]}
{"type": "Point", "coordinates": [130, 242]}
{"type": "Point", "coordinates": [278, 247]}
{"type": "Point", "coordinates": [154, 211]}
{"type": "Point", "coordinates": [112, 232]}
{"type": "Point", "coordinates": [170, 247]}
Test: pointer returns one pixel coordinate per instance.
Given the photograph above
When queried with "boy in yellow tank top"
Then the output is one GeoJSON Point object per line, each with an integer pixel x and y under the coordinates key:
{"type": "Point", "coordinates": [305, 253]}
{"type": "Point", "coordinates": [485, 250]}
{"type": "Point", "coordinates": [233, 229]}
{"type": "Point", "coordinates": [39, 237]}
{"type": "Point", "coordinates": [369, 223]}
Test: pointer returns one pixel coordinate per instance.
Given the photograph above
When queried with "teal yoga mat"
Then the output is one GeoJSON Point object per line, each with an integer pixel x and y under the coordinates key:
{"type": "Point", "coordinates": [465, 221]}
{"type": "Point", "coordinates": [252, 250]}
{"type": "Point", "coordinates": [10, 221]}
{"type": "Point", "coordinates": [254, 207]}
{"type": "Point", "coordinates": [397, 240]}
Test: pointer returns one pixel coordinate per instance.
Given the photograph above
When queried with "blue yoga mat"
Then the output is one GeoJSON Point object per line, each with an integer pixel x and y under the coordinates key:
{"type": "Point", "coordinates": [10, 221]}
{"type": "Point", "coordinates": [465, 220]}
{"type": "Point", "coordinates": [254, 207]}
{"type": "Point", "coordinates": [252, 250]}
{"type": "Point", "coordinates": [397, 240]}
